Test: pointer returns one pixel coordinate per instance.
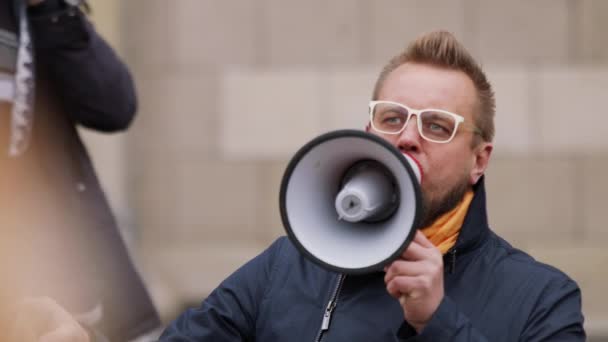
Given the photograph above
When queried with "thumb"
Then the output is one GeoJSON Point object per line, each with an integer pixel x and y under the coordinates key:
{"type": "Point", "coordinates": [421, 239]}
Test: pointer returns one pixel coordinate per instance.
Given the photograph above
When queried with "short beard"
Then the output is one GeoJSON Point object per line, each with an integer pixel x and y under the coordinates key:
{"type": "Point", "coordinates": [433, 209]}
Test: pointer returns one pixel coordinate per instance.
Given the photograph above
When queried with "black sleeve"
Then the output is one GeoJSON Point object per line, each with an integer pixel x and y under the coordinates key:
{"type": "Point", "coordinates": [558, 315]}
{"type": "Point", "coordinates": [229, 314]}
{"type": "Point", "coordinates": [91, 81]}
{"type": "Point", "coordinates": [447, 324]}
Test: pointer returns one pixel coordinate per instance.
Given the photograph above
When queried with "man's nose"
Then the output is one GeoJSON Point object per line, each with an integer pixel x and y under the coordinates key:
{"type": "Point", "coordinates": [409, 140]}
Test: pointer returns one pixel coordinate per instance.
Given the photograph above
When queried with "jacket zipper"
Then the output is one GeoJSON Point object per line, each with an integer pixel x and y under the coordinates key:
{"type": "Point", "coordinates": [333, 301]}
{"type": "Point", "coordinates": [331, 305]}
{"type": "Point", "coordinates": [452, 254]}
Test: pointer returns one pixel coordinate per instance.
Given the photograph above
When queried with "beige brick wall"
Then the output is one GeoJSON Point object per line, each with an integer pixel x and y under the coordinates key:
{"type": "Point", "coordinates": [591, 43]}
{"type": "Point", "coordinates": [259, 110]}
{"type": "Point", "coordinates": [108, 151]}
{"type": "Point", "coordinates": [392, 24]}
{"type": "Point", "coordinates": [523, 31]}
{"type": "Point", "coordinates": [230, 89]}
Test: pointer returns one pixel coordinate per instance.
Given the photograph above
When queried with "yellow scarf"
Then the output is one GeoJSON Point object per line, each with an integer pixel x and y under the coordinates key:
{"type": "Point", "coordinates": [444, 231]}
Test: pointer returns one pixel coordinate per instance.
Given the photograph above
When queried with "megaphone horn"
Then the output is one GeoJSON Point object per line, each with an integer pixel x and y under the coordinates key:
{"type": "Point", "coordinates": [350, 201]}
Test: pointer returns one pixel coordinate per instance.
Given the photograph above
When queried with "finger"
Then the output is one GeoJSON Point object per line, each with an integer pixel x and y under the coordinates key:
{"type": "Point", "coordinates": [48, 313]}
{"type": "Point", "coordinates": [410, 287]}
{"type": "Point", "coordinates": [30, 319]}
{"type": "Point", "coordinates": [38, 316]}
{"type": "Point", "coordinates": [66, 333]}
{"type": "Point", "coordinates": [404, 268]}
{"type": "Point", "coordinates": [36, 308]}
{"type": "Point", "coordinates": [414, 252]}
{"type": "Point", "coordinates": [404, 298]}
{"type": "Point", "coordinates": [423, 240]}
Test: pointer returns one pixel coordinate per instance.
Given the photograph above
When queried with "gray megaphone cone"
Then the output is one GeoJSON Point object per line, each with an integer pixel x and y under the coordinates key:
{"type": "Point", "coordinates": [350, 201]}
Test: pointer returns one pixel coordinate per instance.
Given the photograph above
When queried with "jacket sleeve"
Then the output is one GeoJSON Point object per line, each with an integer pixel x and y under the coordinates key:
{"type": "Point", "coordinates": [447, 324]}
{"type": "Point", "coordinates": [557, 316]}
{"type": "Point", "coordinates": [90, 80]}
{"type": "Point", "coordinates": [229, 313]}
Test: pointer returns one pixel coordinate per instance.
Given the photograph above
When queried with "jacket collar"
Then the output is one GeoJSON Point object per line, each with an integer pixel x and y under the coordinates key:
{"type": "Point", "coordinates": [475, 228]}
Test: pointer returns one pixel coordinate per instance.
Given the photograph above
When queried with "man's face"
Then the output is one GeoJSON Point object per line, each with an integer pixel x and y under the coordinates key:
{"type": "Point", "coordinates": [449, 169]}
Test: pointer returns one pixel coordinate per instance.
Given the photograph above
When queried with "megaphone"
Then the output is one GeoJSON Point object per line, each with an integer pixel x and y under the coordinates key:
{"type": "Point", "coordinates": [350, 201]}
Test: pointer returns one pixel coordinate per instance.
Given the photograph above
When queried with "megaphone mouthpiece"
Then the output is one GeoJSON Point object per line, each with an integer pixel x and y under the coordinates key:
{"type": "Point", "coordinates": [368, 193]}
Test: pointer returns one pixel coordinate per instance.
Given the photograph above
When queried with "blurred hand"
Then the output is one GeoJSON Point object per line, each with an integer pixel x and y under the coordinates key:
{"type": "Point", "coordinates": [417, 281]}
{"type": "Point", "coordinates": [41, 319]}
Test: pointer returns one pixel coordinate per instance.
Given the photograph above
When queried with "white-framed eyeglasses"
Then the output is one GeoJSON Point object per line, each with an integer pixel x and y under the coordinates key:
{"type": "Point", "coordinates": [434, 125]}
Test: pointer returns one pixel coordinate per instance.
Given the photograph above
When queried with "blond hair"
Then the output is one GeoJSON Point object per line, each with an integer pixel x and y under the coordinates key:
{"type": "Point", "coordinates": [441, 49]}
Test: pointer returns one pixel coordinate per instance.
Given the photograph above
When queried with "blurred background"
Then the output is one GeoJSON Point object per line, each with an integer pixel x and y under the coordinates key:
{"type": "Point", "coordinates": [229, 90]}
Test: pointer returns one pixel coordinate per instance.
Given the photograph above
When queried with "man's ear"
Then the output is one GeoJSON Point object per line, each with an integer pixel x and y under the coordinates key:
{"type": "Point", "coordinates": [367, 127]}
{"type": "Point", "coordinates": [481, 158]}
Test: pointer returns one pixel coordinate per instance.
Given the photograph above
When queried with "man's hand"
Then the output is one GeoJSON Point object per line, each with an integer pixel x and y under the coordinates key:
{"type": "Point", "coordinates": [417, 281]}
{"type": "Point", "coordinates": [43, 320]}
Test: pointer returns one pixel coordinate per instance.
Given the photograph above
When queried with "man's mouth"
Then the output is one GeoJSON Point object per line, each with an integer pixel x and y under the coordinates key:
{"type": "Point", "coordinates": [420, 172]}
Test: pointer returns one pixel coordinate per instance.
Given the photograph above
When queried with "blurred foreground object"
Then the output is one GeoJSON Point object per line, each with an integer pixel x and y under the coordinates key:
{"type": "Point", "coordinates": [59, 237]}
{"type": "Point", "coordinates": [43, 320]}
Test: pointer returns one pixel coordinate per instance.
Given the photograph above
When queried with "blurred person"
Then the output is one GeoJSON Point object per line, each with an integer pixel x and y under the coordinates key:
{"type": "Point", "coordinates": [457, 280]}
{"type": "Point", "coordinates": [60, 246]}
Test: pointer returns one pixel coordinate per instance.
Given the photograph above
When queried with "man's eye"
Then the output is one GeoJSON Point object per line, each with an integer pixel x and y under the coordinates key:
{"type": "Point", "coordinates": [393, 120]}
{"type": "Point", "coordinates": [436, 127]}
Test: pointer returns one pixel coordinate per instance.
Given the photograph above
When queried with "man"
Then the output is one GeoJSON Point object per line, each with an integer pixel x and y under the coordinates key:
{"type": "Point", "coordinates": [457, 280]}
{"type": "Point", "coordinates": [60, 249]}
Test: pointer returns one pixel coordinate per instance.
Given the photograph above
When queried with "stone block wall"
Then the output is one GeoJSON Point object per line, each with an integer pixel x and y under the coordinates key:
{"type": "Point", "coordinates": [229, 90]}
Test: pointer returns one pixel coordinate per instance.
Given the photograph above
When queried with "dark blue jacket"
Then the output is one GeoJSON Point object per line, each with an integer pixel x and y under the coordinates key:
{"type": "Point", "coordinates": [494, 292]}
